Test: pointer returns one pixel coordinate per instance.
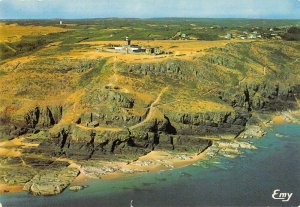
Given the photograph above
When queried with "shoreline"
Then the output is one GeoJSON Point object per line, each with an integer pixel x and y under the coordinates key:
{"type": "Point", "coordinates": [156, 161]}
{"type": "Point", "coordinates": [4, 188]}
{"type": "Point", "coordinates": [164, 160]}
{"type": "Point", "coordinates": [152, 162]}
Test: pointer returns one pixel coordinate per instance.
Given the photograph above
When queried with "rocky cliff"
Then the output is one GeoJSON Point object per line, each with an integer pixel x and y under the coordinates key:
{"type": "Point", "coordinates": [128, 109]}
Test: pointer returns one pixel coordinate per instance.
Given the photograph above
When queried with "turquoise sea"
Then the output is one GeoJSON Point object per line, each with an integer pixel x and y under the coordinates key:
{"type": "Point", "coordinates": [248, 180]}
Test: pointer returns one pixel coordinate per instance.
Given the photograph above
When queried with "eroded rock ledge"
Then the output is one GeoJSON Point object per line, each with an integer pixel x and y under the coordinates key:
{"type": "Point", "coordinates": [51, 182]}
{"type": "Point", "coordinates": [127, 113]}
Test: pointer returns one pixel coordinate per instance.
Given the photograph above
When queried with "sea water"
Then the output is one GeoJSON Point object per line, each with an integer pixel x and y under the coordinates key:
{"type": "Point", "coordinates": [247, 180]}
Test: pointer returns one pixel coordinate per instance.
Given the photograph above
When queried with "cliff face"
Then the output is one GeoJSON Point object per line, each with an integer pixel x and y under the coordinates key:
{"type": "Point", "coordinates": [43, 117]}
{"type": "Point", "coordinates": [127, 110]}
{"type": "Point", "coordinates": [34, 120]}
{"type": "Point", "coordinates": [72, 141]}
{"type": "Point", "coordinates": [263, 97]}
{"type": "Point", "coordinates": [175, 131]}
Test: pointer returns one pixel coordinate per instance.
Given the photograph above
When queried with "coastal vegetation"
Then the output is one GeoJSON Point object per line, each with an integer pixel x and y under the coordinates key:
{"type": "Point", "coordinates": [68, 108]}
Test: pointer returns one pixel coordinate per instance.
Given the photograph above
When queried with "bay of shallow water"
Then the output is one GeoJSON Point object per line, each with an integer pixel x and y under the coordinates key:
{"type": "Point", "coordinates": [248, 180]}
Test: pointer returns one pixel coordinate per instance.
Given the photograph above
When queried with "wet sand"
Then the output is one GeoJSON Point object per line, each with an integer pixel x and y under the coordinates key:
{"type": "Point", "coordinates": [279, 119]}
{"type": "Point", "coordinates": [153, 162]}
{"type": "Point", "coordinates": [4, 188]}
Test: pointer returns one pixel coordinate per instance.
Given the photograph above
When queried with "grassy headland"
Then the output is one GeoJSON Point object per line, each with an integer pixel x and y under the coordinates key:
{"type": "Point", "coordinates": [74, 103]}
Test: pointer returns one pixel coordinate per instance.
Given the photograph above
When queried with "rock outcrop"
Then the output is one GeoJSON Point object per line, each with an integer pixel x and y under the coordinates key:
{"type": "Point", "coordinates": [42, 117]}
{"type": "Point", "coordinates": [51, 182]}
{"type": "Point", "coordinates": [210, 123]}
{"type": "Point", "coordinates": [125, 110]}
{"type": "Point", "coordinates": [262, 97]}
{"type": "Point", "coordinates": [34, 120]}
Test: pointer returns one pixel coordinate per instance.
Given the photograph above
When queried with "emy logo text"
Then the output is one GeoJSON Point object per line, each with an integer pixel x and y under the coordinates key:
{"type": "Point", "coordinates": [284, 197]}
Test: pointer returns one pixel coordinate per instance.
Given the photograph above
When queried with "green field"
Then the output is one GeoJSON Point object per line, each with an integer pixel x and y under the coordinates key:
{"type": "Point", "coordinates": [141, 29]}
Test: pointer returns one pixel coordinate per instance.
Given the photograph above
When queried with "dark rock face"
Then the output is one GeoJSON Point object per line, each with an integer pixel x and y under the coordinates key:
{"type": "Point", "coordinates": [177, 70]}
{"type": "Point", "coordinates": [176, 131]}
{"type": "Point", "coordinates": [120, 99]}
{"type": "Point", "coordinates": [43, 163]}
{"type": "Point", "coordinates": [34, 120]}
{"type": "Point", "coordinates": [74, 142]}
{"type": "Point", "coordinates": [117, 110]}
{"type": "Point", "coordinates": [263, 97]}
{"type": "Point", "coordinates": [210, 123]}
{"type": "Point", "coordinates": [43, 117]}
{"type": "Point", "coordinates": [182, 143]}
{"type": "Point", "coordinates": [108, 119]}
{"type": "Point", "coordinates": [10, 131]}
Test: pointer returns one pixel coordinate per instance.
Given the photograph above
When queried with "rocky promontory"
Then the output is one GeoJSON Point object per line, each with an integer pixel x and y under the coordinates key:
{"type": "Point", "coordinates": [120, 111]}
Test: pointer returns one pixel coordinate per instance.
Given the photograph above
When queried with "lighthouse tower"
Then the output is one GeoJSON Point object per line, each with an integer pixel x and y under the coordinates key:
{"type": "Point", "coordinates": [127, 41]}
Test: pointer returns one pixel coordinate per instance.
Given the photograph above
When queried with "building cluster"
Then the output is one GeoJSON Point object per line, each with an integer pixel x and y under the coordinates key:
{"type": "Point", "coordinates": [129, 48]}
{"type": "Point", "coordinates": [266, 34]}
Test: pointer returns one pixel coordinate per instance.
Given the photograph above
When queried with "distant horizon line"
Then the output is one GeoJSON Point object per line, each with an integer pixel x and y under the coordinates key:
{"type": "Point", "coordinates": [93, 18]}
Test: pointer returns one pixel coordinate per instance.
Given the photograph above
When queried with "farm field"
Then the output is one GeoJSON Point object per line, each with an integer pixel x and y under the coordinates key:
{"type": "Point", "coordinates": [14, 32]}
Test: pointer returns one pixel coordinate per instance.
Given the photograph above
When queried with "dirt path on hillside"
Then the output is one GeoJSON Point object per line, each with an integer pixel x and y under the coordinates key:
{"type": "Point", "coordinates": [101, 128]}
{"type": "Point", "coordinates": [151, 109]}
{"type": "Point", "coordinates": [149, 115]}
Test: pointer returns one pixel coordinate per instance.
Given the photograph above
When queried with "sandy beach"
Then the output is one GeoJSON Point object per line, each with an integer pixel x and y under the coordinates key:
{"type": "Point", "coordinates": [10, 188]}
{"type": "Point", "coordinates": [278, 119]}
{"type": "Point", "coordinates": [151, 162]}
{"type": "Point", "coordinates": [155, 161]}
